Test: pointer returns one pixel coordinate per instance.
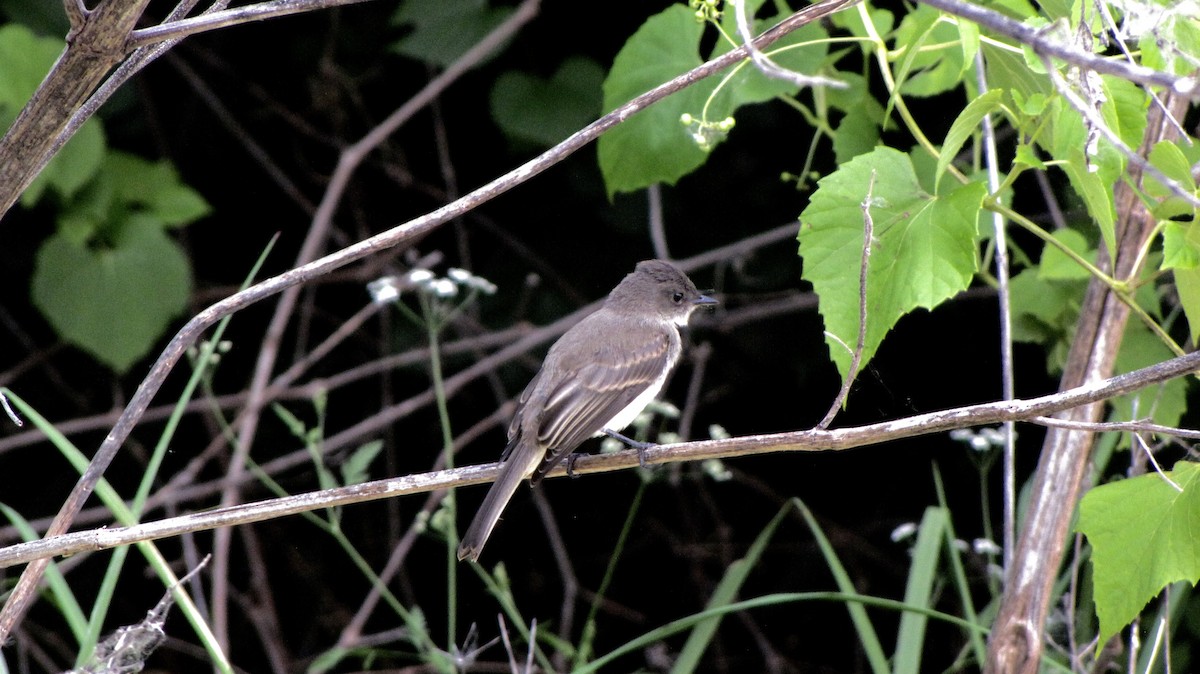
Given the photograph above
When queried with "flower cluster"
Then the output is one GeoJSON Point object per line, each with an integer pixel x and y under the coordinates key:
{"type": "Point", "coordinates": [983, 440]}
{"type": "Point", "coordinates": [389, 288]}
{"type": "Point", "coordinates": [707, 134]}
{"type": "Point", "coordinates": [706, 10]}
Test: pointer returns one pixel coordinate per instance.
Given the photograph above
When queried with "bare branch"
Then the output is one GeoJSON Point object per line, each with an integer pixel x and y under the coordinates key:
{"type": "Point", "coordinates": [768, 67]}
{"type": "Point", "coordinates": [1043, 44]}
{"type": "Point", "coordinates": [175, 30]}
{"type": "Point", "coordinates": [863, 266]}
{"type": "Point", "coordinates": [798, 441]}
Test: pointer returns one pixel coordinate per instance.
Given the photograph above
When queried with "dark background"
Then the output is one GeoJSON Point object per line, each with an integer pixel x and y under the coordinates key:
{"type": "Point", "coordinates": [303, 88]}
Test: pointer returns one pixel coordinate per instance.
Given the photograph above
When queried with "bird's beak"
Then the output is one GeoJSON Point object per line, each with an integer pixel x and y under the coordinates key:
{"type": "Point", "coordinates": [703, 300]}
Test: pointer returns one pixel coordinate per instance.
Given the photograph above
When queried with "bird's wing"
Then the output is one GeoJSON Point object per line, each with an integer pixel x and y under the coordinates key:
{"type": "Point", "coordinates": [514, 426]}
{"type": "Point", "coordinates": [612, 378]}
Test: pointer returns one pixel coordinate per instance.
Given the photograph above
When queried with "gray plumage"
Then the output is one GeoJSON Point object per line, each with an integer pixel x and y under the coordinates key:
{"type": "Point", "coordinates": [598, 376]}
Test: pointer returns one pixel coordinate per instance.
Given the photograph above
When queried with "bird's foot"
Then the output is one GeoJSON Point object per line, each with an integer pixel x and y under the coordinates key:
{"type": "Point", "coordinates": [641, 447]}
{"type": "Point", "coordinates": [570, 460]}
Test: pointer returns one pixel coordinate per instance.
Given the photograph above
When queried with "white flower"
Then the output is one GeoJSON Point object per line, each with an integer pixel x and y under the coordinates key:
{"type": "Point", "coordinates": [383, 290]}
{"type": "Point", "coordinates": [443, 287]}
{"type": "Point", "coordinates": [420, 276]}
{"type": "Point", "coordinates": [904, 531]}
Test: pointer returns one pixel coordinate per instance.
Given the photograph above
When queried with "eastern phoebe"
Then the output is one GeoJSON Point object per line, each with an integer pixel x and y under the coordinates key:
{"type": "Point", "coordinates": [595, 380]}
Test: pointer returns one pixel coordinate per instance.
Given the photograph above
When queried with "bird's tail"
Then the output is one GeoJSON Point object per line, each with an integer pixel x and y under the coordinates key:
{"type": "Point", "coordinates": [512, 472]}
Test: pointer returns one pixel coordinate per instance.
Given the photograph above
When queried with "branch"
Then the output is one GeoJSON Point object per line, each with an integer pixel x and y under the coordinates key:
{"type": "Point", "coordinates": [1042, 44]}
{"type": "Point", "coordinates": [863, 266]}
{"type": "Point", "coordinates": [798, 441]}
{"type": "Point", "coordinates": [175, 30]}
{"type": "Point", "coordinates": [95, 44]}
{"type": "Point", "coordinates": [768, 67]}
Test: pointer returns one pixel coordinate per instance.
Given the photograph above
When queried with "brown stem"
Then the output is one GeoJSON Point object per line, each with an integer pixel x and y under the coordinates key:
{"type": "Point", "coordinates": [1016, 640]}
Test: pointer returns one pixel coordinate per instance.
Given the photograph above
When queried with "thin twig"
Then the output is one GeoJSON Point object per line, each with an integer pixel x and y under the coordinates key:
{"type": "Point", "coordinates": [768, 67]}
{"type": "Point", "coordinates": [864, 264]}
{"type": "Point", "coordinates": [1042, 44]}
{"type": "Point", "coordinates": [181, 28]}
{"type": "Point", "coordinates": [1007, 385]}
{"type": "Point", "coordinates": [1154, 462]}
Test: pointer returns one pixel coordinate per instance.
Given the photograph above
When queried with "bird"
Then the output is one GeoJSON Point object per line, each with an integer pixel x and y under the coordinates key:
{"type": "Point", "coordinates": [594, 381]}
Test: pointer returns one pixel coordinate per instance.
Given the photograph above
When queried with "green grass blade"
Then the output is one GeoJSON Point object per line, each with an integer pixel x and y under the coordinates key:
{"type": "Point", "coordinates": [64, 598]}
{"type": "Point", "coordinates": [918, 591]}
{"type": "Point", "coordinates": [858, 615]}
{"type": "Point", "coordinates": [978, 647]}
{"type": "Point", "coordinates": [726, 593]}
{"type": "Point", "coordinates": [687, 623]}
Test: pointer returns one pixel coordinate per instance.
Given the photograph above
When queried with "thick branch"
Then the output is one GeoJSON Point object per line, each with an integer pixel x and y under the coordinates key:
{"type": "Point", "coordinates": [1016, 641]}
{"type": "Point", "coordinates": [94, 46]}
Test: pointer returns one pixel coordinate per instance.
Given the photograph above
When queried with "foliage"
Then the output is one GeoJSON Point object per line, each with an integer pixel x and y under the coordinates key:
{"type": "Point", "coordinates": [898, 147]}
{"type": "Point", "coordinates": [1143, 536]}
{"type": "Point", "coordinates": [924, 204]}
{"type": "Point", "coordinates": [111, 256]}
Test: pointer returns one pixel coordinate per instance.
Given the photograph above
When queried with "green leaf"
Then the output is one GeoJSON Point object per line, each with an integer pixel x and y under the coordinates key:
{"type": "Point", "coordinates": [923, 251]}
{"type": "Point", "coordinates": [355, 468]}
{"type": "Point", "coordinates": [926, 71]}
{"type": "Point", "coordinates": [25, 59]}
{"type": "Point", "coordinates": [1181, 241]}
{"type": "Point", "coordinates": [859, 130]}
{"type": "Point", "coordinates": [1125, 108]}
{"type": "Point", "coordinates": [155, 187]}
{"type": "Point", "coordinates": [1045, 312]}
{"type": "Point", "coordinates": [1174, 164]}
{"type": "Point", "coordinates": [964, 127]}
{"type": "Point", "coordinates": [1181, 245]}
{"type": "Point", "coordinates": [1055, 264]}
{"type": "Point", "coordinates": [1144, 535]}
{"type": "Point", "coordinates": [1096, 192]}
{"type": "Point", "coordinates": [1187, 284]}
{"type": "Point", "coordinates": [537, 111]}
{"type": "Point", "coordinates": [655, 146]}
{"type": "Point", "coordinates": [1164, 403]}
{"type": "Point", "coordinates": [443, 30]}
{"type": "Point", "coordinates": [112, 301]}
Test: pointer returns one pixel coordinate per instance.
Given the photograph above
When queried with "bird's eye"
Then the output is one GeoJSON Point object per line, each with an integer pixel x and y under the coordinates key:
{"type": "Point", "coordinates": [677, 297]}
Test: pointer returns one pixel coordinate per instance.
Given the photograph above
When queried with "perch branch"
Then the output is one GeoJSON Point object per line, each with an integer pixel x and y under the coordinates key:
{"type": "Point", "coordinates": [807, 441]}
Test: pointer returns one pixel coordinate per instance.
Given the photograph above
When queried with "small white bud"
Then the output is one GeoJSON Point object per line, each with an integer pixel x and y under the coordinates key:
{"type": "Point", "coordinates": [903, 531]}
{"type": "Point", "coordinates": [384, 290]}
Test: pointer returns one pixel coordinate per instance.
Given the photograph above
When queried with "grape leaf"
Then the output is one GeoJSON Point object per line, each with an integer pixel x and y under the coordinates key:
{"type": "Point", "coordinates": [1144, 535]}
{"type": "Point", "coordinates": [923, 250]}
{"type": "Point", "coordinates": [113, 300]}
{"type": "Point", "coordinates": [654, 146]}
{"type": "Point", "coordinates": [533, 110]}
{"type": "Point", "coordinates": [443, 30]}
